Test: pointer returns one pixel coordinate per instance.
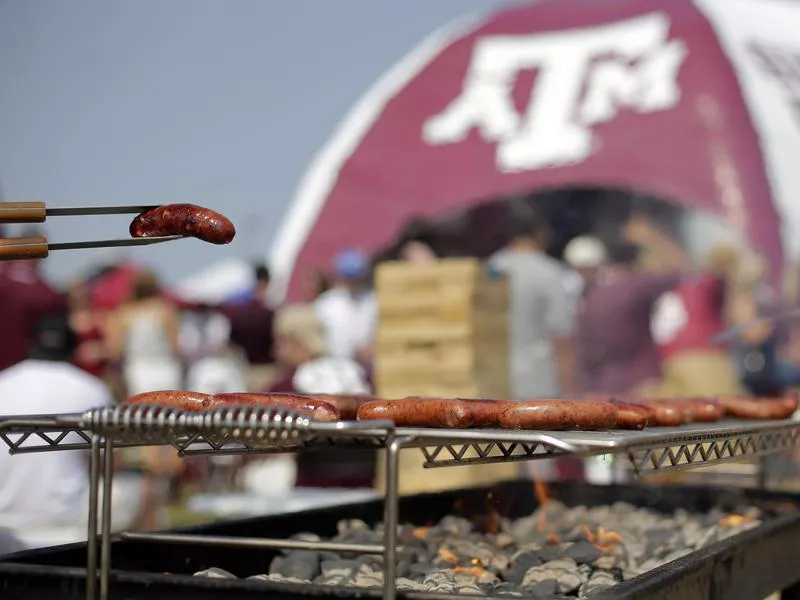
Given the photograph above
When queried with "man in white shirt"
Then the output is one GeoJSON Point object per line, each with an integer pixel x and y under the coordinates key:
{"type": "Point", "coordinates": [541, 311]}
{"type": "Point", "coordinates": [349, 311]}
{"type": "Point", "coordinates": [44, 496]}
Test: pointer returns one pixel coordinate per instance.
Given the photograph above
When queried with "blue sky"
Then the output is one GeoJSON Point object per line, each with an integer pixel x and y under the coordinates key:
{"type": "Point", "coordinates": [221, 103]}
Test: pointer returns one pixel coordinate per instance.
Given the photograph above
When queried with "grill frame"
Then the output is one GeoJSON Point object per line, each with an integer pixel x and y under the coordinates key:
{"type": "Point", "coordinates": [267, 430]}
{"type": "Point", "coordinates": [748, 566]}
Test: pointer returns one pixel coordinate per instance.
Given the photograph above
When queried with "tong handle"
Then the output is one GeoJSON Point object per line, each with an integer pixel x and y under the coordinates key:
{"type": "Point", "coordinates": [22, 212]}
{"type": "Point", "coordinates": [22, 248]}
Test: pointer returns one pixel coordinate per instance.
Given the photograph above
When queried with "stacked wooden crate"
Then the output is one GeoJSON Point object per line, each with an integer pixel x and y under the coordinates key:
{"type": "Point", "coordinates": [443, 332]}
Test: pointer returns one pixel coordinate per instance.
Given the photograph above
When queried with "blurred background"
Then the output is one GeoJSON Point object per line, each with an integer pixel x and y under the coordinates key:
{"type": "Point", "coordinates": [623, 170]}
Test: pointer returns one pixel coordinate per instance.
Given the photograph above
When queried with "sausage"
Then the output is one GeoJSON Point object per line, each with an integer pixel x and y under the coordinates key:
{"type": "Point", "coordinates": [317, 410]}
{"type": "Point", "coordinates": [346, 404]}
{"type": "Point", "coordinates": [484, 412]}
{"type": "Point", "coordinates": [629, 414]}
{"type": "Point", "coordinates": [632, 416]}
{"type": "Point", "coordinates": [661, 413]}
{"type": "Point", "coordinates": [181, 399]}
{"type": "Point", "coordinates": [706, 410]}
{"type": "Point", "coordinates": [559, 415]}
{"type": "Point", "coordinates": [419, 412]}
{"type": "Point", "coordinates": [759, 408]}
{"type": "Point", "coordinates": [670, 412]}
{"type": "Point", "coordinates": [183, 219]}
{"type": "Point", "coordinates": [665, 414]}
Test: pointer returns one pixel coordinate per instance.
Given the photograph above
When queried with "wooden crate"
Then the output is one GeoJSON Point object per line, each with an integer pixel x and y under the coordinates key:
{"type": "Point", "coordinates": [443, 330]}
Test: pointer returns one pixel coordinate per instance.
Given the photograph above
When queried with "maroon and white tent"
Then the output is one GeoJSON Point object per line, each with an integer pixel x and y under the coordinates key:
{"type": "Point", "coordinates": [692, 101]}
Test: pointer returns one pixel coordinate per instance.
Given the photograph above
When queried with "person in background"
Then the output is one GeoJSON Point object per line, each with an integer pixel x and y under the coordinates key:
{"type": "Point", "coordinates": [302, 349]}
{"type": "Point", "coordinates": [143, 335]}
{"type": "Point", "coordinates": [586, 255]}
{"type": "Point", "coordinates": [251, 321]}
{"type": "Point", "coordinates": [349, 310]}
{"type": "Point", "coordinates": [25, 297]}
{"type": "Point", "coordinates": [542, 355]}
{"type": "Point", "coordinates": [417, 251]}
{"type": "Point", "coordinates": [258, 291]}
{"type": "Point", "coordinates": [684, 323]}
{"type": "Point", "coordinates": [749, 310]}
{"type": "Point", "coordinates": [617, 354]}
{"type": "Point", "coordinates": [91, 354]}
{"type": "Point", "coordinates": [44, 496]}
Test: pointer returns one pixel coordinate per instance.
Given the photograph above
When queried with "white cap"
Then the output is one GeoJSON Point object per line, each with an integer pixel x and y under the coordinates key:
{"type": "Point", "coordinates": [585, 252]}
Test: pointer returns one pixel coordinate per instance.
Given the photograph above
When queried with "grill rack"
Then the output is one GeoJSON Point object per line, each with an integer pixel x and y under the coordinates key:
{"type": "Point", "coordinates": [269, 430]}
{"type": "Point", "coordinates": [660, 449]}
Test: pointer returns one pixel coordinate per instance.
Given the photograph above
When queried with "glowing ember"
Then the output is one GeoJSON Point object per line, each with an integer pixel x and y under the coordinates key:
{"type": "Point", "coordinates": [543, 497]}
{"type": "Point", "coordinates": [735, 520]}
{"type": "Point", "coordinates": [603, 540]}
{"type": "Point", "coordinates": [475, 570]}
{"type": "Point", "coordinates": [448, 556]}
{"type": "Point", "coordinates": [421, 533]}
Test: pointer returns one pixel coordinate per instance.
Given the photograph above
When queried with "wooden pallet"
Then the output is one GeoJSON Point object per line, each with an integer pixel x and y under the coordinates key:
{"type": "Point", "coordinates": [443, 330]}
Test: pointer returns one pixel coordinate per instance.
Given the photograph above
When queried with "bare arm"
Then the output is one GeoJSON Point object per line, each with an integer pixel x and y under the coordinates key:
{"type": "Point", "coordinates": [564, 350]}
{"type": "Point", "coordinates": [640, 231]}
{"type": "Point", "coordinates": [741, 310]}
{"type": "Point", "coordinates": [172, 326]}
{"type": "Point", "coordinates": [561, 317]}
{"type": "Point", "coordinates": [115, 332]}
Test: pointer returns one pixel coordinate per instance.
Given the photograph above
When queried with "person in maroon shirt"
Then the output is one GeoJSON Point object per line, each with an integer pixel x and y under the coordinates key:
{"type": "Point", "coordinates": [685, 321]}
{"type": "Point", "coordinates": [616, 350]}
{"type": "Point", "coordinates": [25, 297]}
{"type": "Point", "coordinates": [251, 322]}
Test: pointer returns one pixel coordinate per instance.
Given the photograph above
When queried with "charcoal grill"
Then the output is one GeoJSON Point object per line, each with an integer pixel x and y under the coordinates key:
{"type": "Point", "coordinates": [748, 566]}
{"type": "Point", "coordinates": [263, 430]}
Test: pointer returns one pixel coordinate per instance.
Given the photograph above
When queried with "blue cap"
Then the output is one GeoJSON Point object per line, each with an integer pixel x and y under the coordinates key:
{"type": "Point", "coordinates": [351, 263]}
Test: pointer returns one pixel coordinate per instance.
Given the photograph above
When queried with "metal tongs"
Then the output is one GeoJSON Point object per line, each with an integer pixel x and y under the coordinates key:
{"type": "Point", "coordinates": [39, 247]}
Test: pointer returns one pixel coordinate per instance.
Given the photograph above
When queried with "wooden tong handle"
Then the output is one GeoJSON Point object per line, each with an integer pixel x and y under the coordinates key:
{"type": "Point", "coordinates": [22, 248]}
{"type": "Point", "coordinates": [22, 212]}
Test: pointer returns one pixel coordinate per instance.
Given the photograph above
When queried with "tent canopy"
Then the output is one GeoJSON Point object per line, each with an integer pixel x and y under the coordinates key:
{"type": "Point", "coordinates": [684, 100]}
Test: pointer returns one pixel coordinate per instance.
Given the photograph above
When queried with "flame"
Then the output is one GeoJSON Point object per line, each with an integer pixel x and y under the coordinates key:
{"type": "Point", "coordinates": [735, 520]}
{"type": "Point", "coordinates": [448, 556]}
{"type": "Point", "coordinates": [603, 540]}
{"type": "Point", "coordinates": [543, 497]}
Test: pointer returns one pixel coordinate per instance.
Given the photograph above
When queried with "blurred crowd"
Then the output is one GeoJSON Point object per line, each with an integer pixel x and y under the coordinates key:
{"type": "Point", "coordinates": [630, 315]}
{"type": "Point", "coordinates": [65, 352]}
{"type": "Point", "coordinates": [637, 315]}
